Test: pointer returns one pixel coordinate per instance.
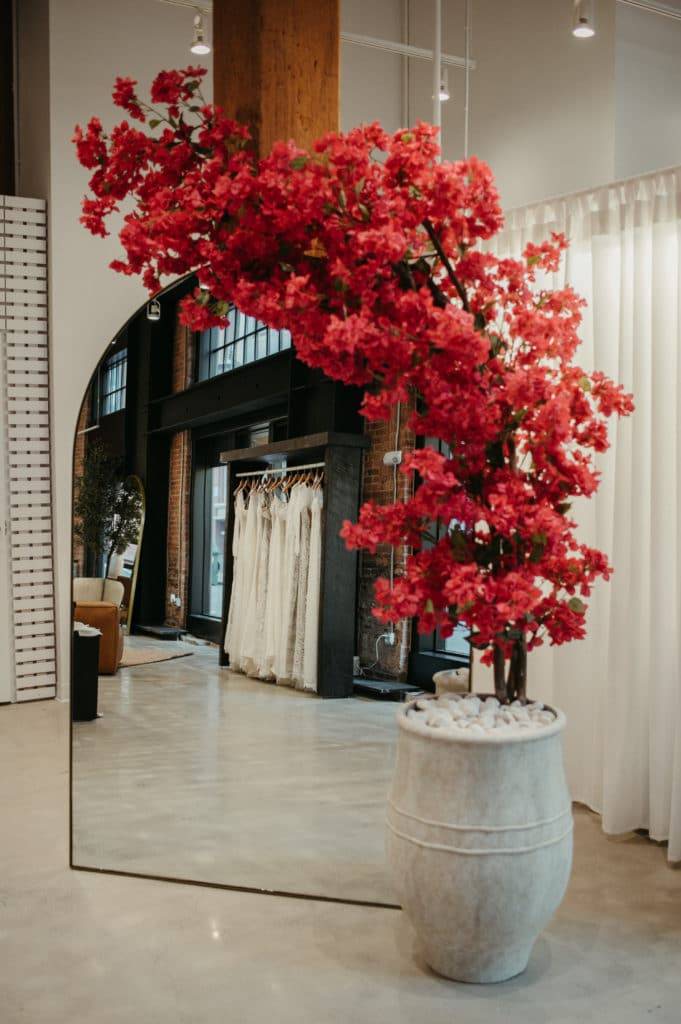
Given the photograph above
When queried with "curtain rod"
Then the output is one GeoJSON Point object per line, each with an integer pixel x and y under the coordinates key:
{"type": "Point", "coordinates": [674, 169]}
{"type": "Point", "coordinates": [282, 469]}
{"type": "Point", "coordinates": [650, 7]}
{"type": "Point", "coordinates": [405, 49]}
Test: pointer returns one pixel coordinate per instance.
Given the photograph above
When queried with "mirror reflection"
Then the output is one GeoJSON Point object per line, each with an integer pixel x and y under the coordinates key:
{"type": "Point", "coordinates": [234, 695]}
{"type": "Point", "coordinates": [223, 730]}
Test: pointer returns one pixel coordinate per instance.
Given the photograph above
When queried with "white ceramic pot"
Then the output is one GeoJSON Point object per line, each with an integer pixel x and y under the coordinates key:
{"type": "Point", "coordinates": [479, 836]}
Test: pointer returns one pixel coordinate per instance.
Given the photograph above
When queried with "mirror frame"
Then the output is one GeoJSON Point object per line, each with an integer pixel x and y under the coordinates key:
{"type": "Point", "coordinates": [138, 554]}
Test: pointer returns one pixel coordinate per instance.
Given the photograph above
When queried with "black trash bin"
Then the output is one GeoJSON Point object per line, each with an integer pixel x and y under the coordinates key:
{"type": "Point", "coordinates": [85, 677]}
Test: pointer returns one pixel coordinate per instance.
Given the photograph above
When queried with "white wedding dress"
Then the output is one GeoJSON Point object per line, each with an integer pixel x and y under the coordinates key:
{"type": "Point", "coordinates": [252, 646]}
{"type": "Point", "coordinates": [273, 621]}
{"type": "Point", "coordinates": [235, 616]}
{"type": "Point", "coordinates": [313, 594]}
{"type": "Point", "coordinates": [300, 636]}
{"type": "Point", "coordinates": [273, 602]}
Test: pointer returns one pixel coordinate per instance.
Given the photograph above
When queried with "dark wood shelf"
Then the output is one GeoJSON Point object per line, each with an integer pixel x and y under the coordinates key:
{"type": "Point", "coordinates": [295, 446]}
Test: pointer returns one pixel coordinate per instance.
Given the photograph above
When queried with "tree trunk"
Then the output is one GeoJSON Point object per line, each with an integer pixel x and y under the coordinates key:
{"type": "Point", "coordinates": [513, 686]}
{"type": "Point", "coordinates": [499, 674]}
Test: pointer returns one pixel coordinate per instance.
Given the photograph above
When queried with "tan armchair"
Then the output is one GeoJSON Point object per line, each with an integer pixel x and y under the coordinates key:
{"type": "Point", "coordinates": [103, 614]}
{"type": "Point", "coordinates": [89, 588]}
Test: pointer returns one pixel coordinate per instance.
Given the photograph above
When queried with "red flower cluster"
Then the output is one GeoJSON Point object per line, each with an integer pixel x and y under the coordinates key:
{"type": "Point", "coordinates": [368, 249]}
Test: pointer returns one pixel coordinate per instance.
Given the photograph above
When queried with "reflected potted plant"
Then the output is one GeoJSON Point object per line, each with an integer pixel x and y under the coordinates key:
{"type": "Point", "coordinates": [370, 250]}
{"type": "Point", "coordinates": [107, 510]}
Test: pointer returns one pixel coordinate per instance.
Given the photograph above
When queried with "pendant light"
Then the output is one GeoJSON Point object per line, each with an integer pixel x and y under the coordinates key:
{"type": "Point", "coordinates": [583, 22]}
{"type": "Point", "coordinates": [154, 310]}
{"type": "Point", "coordinates": [444, 86]}
{"type": "Point", "coordinates": [199, 45]}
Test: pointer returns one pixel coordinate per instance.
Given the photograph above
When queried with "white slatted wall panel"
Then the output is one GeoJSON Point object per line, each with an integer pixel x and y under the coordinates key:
{"type": "Point", "coordinates": [25, 403]}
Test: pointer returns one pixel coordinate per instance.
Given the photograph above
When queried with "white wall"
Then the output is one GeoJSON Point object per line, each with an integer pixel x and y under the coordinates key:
{"type": "Point", "coordinates": [648, 76]}
{"type": "Point", "coordinates": [542, 102]}
{"type": "Point", "coordinates": [90, 42]}
{"type": "Point", "coordinates": [372, 81]}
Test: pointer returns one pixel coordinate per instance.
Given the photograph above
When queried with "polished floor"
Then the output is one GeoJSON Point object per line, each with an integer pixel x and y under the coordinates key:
{"type": "Point", "coordinates": [195, 772]}
{"type": "Point", "coordinates": [77, 946]}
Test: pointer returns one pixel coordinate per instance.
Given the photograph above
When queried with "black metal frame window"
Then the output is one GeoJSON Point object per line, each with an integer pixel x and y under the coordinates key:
{"type": "Point", "coordinates": [208, 522]}
{"type": "Point", "coordinates": [113, 380]}
{"type": "Point", "coordinates": [244, 340]}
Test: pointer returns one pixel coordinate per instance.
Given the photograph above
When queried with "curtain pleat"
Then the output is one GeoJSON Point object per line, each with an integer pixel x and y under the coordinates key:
{"type": "Point", "coordinates": [621, 686]}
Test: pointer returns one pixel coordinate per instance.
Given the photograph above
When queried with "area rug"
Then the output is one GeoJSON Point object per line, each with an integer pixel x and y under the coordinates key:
{"type": "Point", "coordinates": [133, 656]}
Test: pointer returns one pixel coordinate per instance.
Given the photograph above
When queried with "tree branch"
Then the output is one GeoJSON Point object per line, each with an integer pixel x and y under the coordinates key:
{"type": "Point", "coordinates": [430, 230]}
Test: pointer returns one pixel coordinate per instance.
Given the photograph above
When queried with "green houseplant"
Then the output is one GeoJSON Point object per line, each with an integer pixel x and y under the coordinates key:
{"type": "Point", "coordinates": [107, 508]}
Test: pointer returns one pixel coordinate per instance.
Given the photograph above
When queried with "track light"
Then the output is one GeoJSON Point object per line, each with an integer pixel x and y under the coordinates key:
{"type": "Point", "coordinates": [199, 45]}
{"type": "Point", "coordinates": [444, 85]}
{"type": "Point", "coordinates": [583, 25]}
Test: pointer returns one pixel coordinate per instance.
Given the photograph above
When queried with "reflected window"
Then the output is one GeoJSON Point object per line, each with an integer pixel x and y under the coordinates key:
{"type": "Point", "coordinates": [455, 646]}
{"type": "Point", "coordinates": [112, 383]}
{"type": "Point", "coordinates": [244, 340]}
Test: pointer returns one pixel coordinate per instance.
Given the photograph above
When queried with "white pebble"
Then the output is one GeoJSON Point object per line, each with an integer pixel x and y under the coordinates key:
{"type": "Point", "coordinates": [454, 712]}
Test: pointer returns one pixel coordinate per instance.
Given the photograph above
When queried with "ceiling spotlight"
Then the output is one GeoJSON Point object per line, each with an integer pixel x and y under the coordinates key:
{"type": "Point", "coordinates": [199, 45]}
{"type": "Point", "coordinates": [583, 25]}
{"type": "Point", "coordinates": [444, 85]}
{"type": "Point", "coordinates": [154, 310]}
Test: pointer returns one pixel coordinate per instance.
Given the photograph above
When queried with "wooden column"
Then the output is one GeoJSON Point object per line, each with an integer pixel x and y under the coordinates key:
{"type": "Point", "coordinates": [275, 67]}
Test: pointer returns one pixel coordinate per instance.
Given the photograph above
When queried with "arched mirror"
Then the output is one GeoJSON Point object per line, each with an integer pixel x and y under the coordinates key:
{"type": "Point", "coordinates": [194, 756]}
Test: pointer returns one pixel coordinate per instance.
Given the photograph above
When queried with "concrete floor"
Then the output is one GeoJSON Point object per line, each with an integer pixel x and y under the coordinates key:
{"type": "Point", "coordinates": [77, 946]}
{"type": "Point", "coordinates": [195, 772]}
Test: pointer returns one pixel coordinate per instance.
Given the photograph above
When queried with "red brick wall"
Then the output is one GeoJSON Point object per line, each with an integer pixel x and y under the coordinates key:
{"type": "Point", "coordinates": [179, 490]}
{"type": "Point", "coordinates": [377, 485]}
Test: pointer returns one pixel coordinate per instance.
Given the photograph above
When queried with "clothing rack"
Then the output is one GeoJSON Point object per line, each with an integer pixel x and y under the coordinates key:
{"type": "Point", "coordinates": [281, 469]}
{"type": "Point", "coordinates": [340, 457]}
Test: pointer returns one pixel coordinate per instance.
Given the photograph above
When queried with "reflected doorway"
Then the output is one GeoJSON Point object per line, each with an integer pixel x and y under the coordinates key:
{"type": "Point", "coordinates": [208, 542]}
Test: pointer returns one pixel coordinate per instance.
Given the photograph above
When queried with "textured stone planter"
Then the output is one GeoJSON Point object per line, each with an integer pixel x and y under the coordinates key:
{"type": "Point", "coordinates": [479, 837]}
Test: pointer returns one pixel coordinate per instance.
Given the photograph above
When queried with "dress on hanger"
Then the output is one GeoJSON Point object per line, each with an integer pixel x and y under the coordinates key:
{"type": "Point", "coordinates": [283, 664]}
{"type": "Point", "coordinates": [235, 614]}
{"type": "Point", "coordinates": [313, 594]}
{"type": "Point", "coordinates": [300, 637]}
{"type": "Point", "coordinates": [252, 647]}
{"type": "Point", "coordinates": [246, 556]}
{"type": "Point", "coordinates": [273, 599]}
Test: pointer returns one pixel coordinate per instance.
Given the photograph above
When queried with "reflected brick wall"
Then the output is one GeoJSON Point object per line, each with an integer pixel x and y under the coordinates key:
{"type": "Point", "coordinates": [179, 489]}
{"type": "Point", "coordinates": [377, 485]}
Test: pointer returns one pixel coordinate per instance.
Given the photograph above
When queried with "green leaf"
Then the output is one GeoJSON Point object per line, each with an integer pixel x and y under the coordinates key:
{"type": "Point", "coordinates": [538, 541]}
{"type": "Point", "coordinates": [298, 163]}
{"type": "Point", "coordinates": [154, 122]}
{"type": "Point", "coordinates": [576, 605]}
{"type": "Point", "coordinates": [585, 384]}
{"type": "Point", "coordinates": [364, 210]}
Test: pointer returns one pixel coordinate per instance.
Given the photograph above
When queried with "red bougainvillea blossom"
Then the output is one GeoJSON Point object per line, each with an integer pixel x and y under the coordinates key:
{"type": "Point", "coordinates": [368, 250]}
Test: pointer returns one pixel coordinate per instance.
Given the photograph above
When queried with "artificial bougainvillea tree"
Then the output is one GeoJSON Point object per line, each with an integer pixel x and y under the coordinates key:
{"type": "Point", "coordinates": [368, 250]}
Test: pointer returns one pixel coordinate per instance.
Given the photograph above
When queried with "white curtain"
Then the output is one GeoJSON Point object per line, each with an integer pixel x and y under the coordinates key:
{"type": "Point", "coordinates": [621, 687]}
